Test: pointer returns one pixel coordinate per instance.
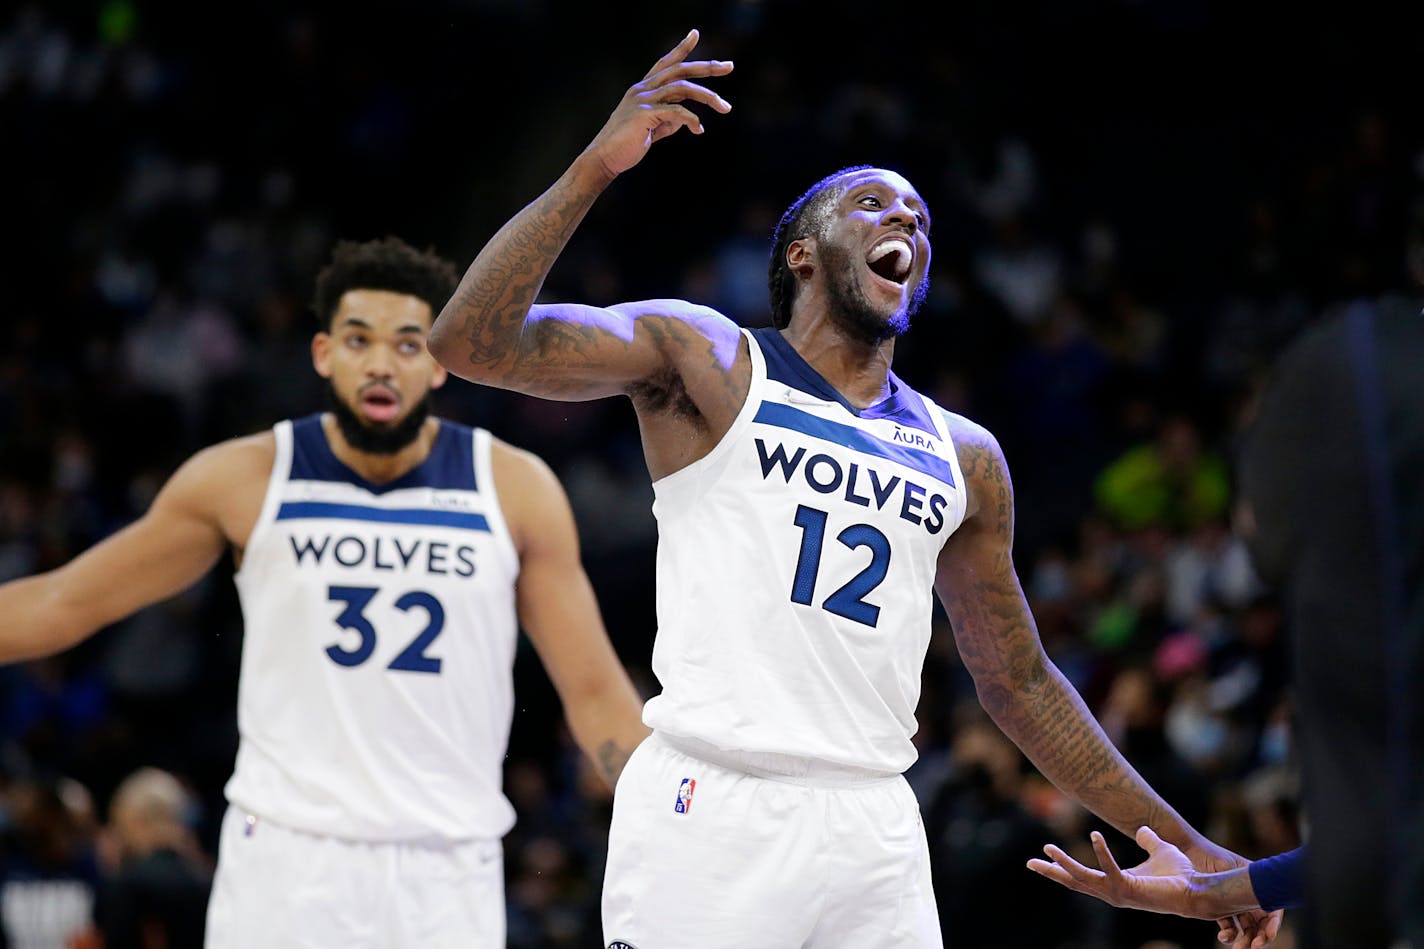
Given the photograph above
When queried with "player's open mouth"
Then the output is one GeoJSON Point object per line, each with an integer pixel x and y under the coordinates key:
{"type": "Point", "coordinates": [891, 259]}
{"type": "Point", "coordinates": [380, 404]}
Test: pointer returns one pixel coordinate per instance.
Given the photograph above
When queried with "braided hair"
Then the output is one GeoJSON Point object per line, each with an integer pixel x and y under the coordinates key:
{"type": "Point", "coordinates": [806, 216]}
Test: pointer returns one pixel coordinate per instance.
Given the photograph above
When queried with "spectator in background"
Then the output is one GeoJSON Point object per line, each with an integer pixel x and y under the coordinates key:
{"type": "Point", "coordinates": [1171, 481]}
{"type": "Point", "coordinates": [154, 893]}
{"type": "Point", "coordinates": [979, 827]}
{"type": "Point", "coordinates": [49, 873]}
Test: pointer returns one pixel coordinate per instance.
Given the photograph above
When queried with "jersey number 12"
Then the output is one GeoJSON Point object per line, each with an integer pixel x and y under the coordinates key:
{"type": "Point", "coordinates": [849, 600]}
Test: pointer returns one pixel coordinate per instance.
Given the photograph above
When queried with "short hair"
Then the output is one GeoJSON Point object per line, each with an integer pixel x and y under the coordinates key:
{"type": "Point", "coordinates": [806, 216]}
{"type": "Point", "coordinates": [387, 263]}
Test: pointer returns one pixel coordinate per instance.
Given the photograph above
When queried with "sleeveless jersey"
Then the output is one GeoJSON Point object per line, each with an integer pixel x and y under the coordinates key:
{"type": "Point", "coordinates": [795, 570]}
{"type": "Point", "coordinates": [376, 689]}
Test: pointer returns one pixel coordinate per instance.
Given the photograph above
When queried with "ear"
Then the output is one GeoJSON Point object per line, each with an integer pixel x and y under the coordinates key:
{"type": "Point", "coordinates": [438, 378]}
{"type": "Point", "coordinates": [321, 354]}
{"type": "Point", "coordinates": [801, 256]}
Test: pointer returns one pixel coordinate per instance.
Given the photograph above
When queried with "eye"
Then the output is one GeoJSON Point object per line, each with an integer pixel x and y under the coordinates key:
{"type": "Point", "coordinates": [355, 341]}
{"type": "Point", "coordinates": [410, 347]}
{"type": "Point", "coordinates": [870, 199]}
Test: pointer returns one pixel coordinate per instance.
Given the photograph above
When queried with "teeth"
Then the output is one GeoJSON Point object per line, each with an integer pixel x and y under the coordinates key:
{"type": "Point", "coordinates": [894, 245]}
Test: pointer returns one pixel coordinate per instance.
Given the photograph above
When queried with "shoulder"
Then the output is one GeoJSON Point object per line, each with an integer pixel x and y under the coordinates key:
{"type": "Point", "coordinates": [975, 446]}
{"type": "Point", "coordinates": [697, 315]}
{"type": "Point", "coordinates": [237, 462]}
{"type": "Point", "coordinates": [676, 324]}
{"type": "Point", "coordinates": [981, 461]}
{"type": "Point", "coordinates": [531, 497]}
{"type": "Point", "coordinates": [223, 484]}
{"type": "Point", "coordinates": [510, 463]}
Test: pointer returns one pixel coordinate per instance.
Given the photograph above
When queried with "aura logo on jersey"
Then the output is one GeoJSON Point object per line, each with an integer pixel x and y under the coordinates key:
{"type": "Point", "coordinates": [855, 483]}
{"type": "Point", "coordinates": [914, 439]}
{"type": "Point", "coordinates": [410, 554]}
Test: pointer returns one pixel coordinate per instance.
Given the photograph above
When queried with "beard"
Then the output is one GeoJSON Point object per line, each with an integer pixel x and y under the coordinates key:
{"type": "Point", "coordinates": [376, 439]}
{"type": "Point", "coordinates": [853, 312]}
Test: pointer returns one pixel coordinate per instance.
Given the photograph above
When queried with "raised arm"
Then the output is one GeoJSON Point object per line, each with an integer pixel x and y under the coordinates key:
{"type": "Point", "coordinates": [1018, 685]}
{"type": "Point", "coordinates": [558, 611]}
{"type": "Point", "coordinates": [492, 332]}
{"type": "Point", "coordinates": [170, 548]}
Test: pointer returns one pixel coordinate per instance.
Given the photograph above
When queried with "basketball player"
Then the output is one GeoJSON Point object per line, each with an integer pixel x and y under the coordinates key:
{"type": "Point", "coordinates": [810, 504]}
{"type": "Point", "coordinates": [385, 562]}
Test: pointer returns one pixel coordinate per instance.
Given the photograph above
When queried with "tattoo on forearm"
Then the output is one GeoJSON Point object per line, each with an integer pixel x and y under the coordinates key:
{"type": "Point", "coordinates": [611, 759]}
{"type": "Point", "coordinates": [495, 295]}
{"type": "Point", "coordinates": [1029, 698]}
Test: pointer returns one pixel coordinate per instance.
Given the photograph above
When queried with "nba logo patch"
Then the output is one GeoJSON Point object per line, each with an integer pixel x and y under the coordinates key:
{"type": "Point", "coordinates": [684, 795]}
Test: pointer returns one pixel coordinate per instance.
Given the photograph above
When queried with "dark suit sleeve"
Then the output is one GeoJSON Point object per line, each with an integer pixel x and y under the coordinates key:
{"type": "Point", "coordinates": [1278, 881]}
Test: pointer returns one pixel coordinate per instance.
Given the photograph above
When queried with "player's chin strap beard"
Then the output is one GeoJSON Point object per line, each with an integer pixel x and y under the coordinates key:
{"type": "Point", "coordinates": [371, 439]}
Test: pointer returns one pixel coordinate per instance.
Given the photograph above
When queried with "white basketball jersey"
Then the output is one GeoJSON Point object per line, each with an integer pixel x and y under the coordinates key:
{"type": "Point", "coordinates": [795, 570]}
{"type": "Point", "coordinates": [376, 690]}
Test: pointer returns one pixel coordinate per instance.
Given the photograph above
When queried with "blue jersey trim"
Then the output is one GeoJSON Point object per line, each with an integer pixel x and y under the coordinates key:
{"type": "Point", "coordinates": [784, 364]}
{"type": "Point", "coordinates": [449, 466]}
{"type": "Point", "coordinates": [294, 510]}
{"type": "Point", "coordinates": [784, 416]}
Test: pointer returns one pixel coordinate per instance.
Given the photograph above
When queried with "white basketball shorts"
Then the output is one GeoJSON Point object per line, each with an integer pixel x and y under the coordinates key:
{"type": "Point", "coordinates": [279, 888]}
{"type": "Point", "coordinates": [763, 852]}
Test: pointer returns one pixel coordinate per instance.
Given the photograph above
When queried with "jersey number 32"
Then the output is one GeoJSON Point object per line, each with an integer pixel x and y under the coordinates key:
{"type": "Point", "coordinates": [412, 658]}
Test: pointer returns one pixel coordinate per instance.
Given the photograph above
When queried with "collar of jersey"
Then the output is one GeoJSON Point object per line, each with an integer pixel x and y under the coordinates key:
{"type": "Point", "coordinates": [812, 381]}
{"type": "Point", "coordinates": [414, 478]}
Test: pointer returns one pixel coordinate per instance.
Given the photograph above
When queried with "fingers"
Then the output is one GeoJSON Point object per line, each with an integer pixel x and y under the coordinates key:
{"type": "Point", "coordinates": [1072, 867]}
{"type": "Point", "coordinates": [1148, 840]}
{"type": "Point", "coordinates": [1105, 857]}
{"type": "Point", "coordinates": [1054, 872]}
{"type": "Point", "coordinates": [675, 55]}
{"type": "Point", "coordinates": [1268, 930]}
{"type": "Point", "coordinates": [674, 117]}
{"type": "Point", "coordinates": [674, 66]}
{"type": "Point", "coordinates": [683, 91]}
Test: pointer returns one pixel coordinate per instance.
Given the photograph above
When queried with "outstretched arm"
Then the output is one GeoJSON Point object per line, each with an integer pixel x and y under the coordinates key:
{"type": "Point", "coordinates": [492, 332]}
{"type": "Point", "coordinates": [170, 548]}
{"type": "Point", "coordinates": [559, 613]}
{"type": "Point", "coordinates": [1020, 688]}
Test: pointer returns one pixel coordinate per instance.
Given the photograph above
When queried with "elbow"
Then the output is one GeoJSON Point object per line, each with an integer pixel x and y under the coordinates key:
{"type": "Point", "coordinates": [1008, 694]}
{"type": "Point", "coordinates": [440, 344]}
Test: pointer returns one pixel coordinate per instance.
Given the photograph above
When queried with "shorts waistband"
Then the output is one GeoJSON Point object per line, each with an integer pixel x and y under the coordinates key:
{"type": "Point", "coordinates": [794, 769]}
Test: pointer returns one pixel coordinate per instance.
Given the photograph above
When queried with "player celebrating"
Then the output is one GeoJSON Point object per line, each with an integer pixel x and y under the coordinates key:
{"type": "Point", "coordinates": [386, 561]}
{"type": "Point", "coordinates": [810, 504]}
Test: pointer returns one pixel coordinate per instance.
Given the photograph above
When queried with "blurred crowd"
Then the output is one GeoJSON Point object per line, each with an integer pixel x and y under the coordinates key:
{"type": "Point", "coordinates": [1115, 265]}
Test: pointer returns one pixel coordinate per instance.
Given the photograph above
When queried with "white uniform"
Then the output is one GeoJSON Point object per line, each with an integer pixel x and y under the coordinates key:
{"type": "Point", "coordinates": [374, 704]}
{"type": "Point", "coordinates": [796, 564]}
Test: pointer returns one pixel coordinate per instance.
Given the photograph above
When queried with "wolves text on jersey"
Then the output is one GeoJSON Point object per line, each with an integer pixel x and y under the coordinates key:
{"type": "Point", "coordinates": [857, 484]}
{"type": "Point", "coordinates": [410, 554]}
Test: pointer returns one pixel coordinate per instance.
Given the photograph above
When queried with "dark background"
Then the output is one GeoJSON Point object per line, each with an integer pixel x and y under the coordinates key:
{"type": "Point", "coordinates": [1136, 204]}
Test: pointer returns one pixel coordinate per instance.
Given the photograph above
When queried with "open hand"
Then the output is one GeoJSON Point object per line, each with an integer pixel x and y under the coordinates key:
{"type": "Point", "coordinates": [652, 109]}
{"type": "Point", "coordinates": [1168, 882]}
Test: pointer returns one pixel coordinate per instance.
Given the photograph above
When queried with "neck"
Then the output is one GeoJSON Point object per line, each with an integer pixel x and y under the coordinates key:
{"type": "Point", "coordinates": [380, 469]}
{"type": "Point", "coordinates": [859, 370]}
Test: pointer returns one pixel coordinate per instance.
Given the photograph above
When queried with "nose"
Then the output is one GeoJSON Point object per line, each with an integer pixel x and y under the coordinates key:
{"type": "Point", "coordinates": [902, 214]}
{"type": "Point", "coordinates": [380, 363]}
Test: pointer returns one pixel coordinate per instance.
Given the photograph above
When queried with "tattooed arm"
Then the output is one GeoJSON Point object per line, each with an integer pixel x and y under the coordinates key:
{"type": "Point", "coordinates": [1016, 682]}
{"type": "Point", "coordinates": [1025, 693]}
{"type": "Point", "coordinates": [491, 331]}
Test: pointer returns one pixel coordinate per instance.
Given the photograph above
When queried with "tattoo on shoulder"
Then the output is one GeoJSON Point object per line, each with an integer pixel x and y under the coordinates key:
{"type": "Point", "coordinates": [985, 472]}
